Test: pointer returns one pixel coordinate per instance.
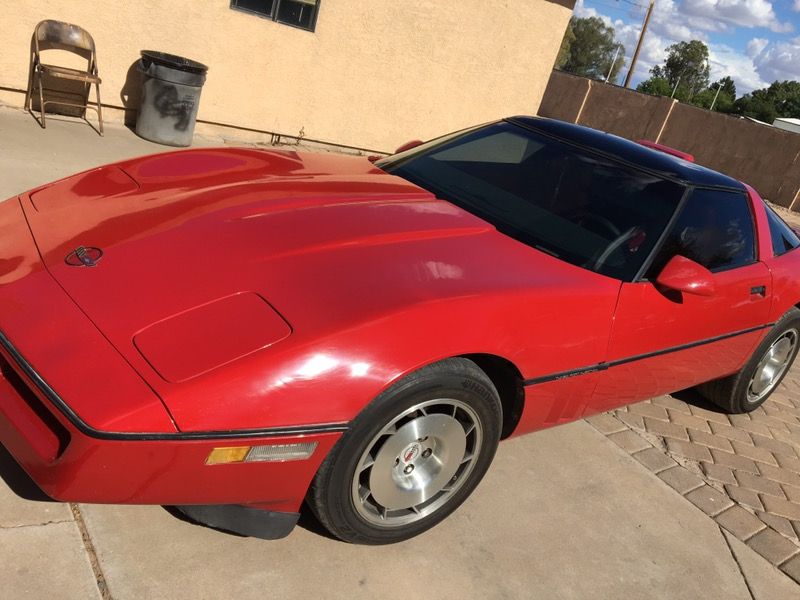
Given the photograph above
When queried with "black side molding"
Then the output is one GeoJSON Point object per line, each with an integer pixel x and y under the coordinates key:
{"type": "Point", "coordinates": [621, 361]}
{"type": "Point", "coordinates": [242, 520]}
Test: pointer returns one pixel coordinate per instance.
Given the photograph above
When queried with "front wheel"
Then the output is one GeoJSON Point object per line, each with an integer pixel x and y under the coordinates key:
{"type": "Point", "coordinates": [411, 457]}
{"type": "Point", "coordinates": [749, 388]}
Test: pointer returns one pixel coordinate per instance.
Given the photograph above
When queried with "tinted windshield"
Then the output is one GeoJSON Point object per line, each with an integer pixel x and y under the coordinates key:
{"type": "Point", "coordinates": [573, 204]}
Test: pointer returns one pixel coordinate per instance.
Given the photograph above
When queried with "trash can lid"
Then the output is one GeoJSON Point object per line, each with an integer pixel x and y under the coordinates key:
{"type": "Point", "coordinates": [174, 61]}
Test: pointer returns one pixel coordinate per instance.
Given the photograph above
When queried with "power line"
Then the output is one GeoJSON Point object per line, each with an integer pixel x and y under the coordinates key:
{"type": "Point", "coordinates": [615, 4]}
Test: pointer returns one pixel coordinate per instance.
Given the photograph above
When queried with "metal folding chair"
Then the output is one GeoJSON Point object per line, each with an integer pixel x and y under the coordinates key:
{"type": "Point", "coordinates": [57, 35]}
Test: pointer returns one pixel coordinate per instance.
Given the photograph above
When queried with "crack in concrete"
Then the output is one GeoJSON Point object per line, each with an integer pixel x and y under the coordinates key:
{"type": "Point", "coordinates": [99, 578]}
{"type": "Point", "coordinates": [55, 522]}
{"type": "Point", "coordinates": [738, 565]}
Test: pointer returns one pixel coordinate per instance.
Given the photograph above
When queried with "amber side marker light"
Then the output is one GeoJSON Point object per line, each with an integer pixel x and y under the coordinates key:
{"type": "Point", "coordinates": [268, 453]}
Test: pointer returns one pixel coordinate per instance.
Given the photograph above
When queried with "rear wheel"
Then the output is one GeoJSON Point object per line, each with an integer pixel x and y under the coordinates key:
{"type": "Point", "coordinates": [411, 457]}
{"type": "Point", "coordinates": [749, 388]}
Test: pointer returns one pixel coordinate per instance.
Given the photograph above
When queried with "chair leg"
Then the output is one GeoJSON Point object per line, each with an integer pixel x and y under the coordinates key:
{"type": "Point", "coordinates": [29, 90]}
{"type": "Point", "coordinates": [41, 101]}
{"type": "Point", "coordinates": [99, 108]}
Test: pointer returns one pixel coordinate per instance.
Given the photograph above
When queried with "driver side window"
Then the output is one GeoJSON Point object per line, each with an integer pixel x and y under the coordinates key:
{"type": "Point", "coordinates": [714, 229]}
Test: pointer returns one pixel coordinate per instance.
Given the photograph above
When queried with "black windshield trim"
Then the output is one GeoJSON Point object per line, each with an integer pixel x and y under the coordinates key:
{"type": "Point", "coordinates": [629, 152]}
{"type": "Point", "coordinates": [620, 160]}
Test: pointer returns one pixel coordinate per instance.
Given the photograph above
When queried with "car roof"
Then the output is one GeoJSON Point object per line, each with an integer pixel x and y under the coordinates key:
{"type": "Point", "coordinates": [666, 165]}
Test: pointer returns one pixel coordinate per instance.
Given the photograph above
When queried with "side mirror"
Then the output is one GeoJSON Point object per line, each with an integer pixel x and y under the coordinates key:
{"type": "Point", "coordinates": [684, 275]}
{"type": "Point", "coordinates": [409, 146]}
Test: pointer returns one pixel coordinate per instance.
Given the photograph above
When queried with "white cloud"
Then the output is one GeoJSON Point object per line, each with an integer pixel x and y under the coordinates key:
{"type": "Point", "coordinates": [744, 13]}
{"type": "Point", "coordinates": [779, 61]}
{"type": "Point", "coordinates": [761, 63]}
{"type": "Point", "coordinates": [725, 61]}
{"type": "Point", "coordinates": [627, 34]}
{"type": "Point", "coordinates": [582, 12]}
{"type": "Point", "coordinates": [756, 46]}
{"type": "Point", "coordinates": [653, 47]}
{"type": "Point", "coordinates": [764, 63]}
{"type": "Point", "coordinates": [668, 22]}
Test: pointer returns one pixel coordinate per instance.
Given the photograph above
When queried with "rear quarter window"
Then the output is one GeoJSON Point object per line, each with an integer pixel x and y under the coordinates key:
{"type": "Point", "coordinates": [783, 237]}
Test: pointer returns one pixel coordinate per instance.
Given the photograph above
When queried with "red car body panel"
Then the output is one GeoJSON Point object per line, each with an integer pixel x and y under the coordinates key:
{"type": "Point", "coordinates": [58, 339]}
{"type": "Point", "coordinates": [246, 295]}
{"type": "Point", "coordinates": [309, 244]}
{"type": "Point", "coordinates": [667, 150]}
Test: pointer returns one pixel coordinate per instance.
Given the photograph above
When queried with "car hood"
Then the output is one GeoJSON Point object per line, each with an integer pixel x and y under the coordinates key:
{"type": "Point", "coordinates": [186, 231]}
{"type": "Point", "coordinates": [212, 255]}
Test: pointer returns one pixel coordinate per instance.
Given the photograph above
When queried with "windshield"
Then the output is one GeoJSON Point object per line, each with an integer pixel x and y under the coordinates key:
{"type": "Point", "coordinates": [578, 206]}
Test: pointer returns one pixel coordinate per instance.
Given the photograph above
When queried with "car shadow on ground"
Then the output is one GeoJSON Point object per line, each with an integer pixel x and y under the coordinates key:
{"type": "Point", "coordinates": [311, 524]}
{"type": "Point", "coordinates": [175, 512]}
{"type": "Point", "coordinates": [18, 480]}
{"type": "Point", "coordinates": [695, 398]}
{"type": "Point", "coordinates": [307, 521]}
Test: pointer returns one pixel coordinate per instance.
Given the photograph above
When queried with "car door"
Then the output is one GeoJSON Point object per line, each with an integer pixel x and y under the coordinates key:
{"type": "Point", "coordinates": [663, 340]}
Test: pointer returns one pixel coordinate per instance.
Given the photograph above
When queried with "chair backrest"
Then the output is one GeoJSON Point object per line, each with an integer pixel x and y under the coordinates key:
{"type": "Point", "coordinates": [57, 35]}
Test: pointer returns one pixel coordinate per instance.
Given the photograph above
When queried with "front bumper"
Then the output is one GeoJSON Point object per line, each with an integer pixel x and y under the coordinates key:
{"type": "Point", "coordinates": [71, 461]}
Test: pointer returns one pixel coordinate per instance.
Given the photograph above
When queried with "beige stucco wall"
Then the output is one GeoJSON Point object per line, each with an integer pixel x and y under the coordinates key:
{"type": "Point", "coordinates": [374, 73]}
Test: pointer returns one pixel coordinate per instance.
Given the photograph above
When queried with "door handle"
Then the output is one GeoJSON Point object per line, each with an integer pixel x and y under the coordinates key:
{"type": "Point", "coordinates": [759, 290]}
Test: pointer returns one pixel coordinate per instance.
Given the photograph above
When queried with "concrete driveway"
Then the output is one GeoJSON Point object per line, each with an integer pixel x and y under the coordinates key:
{"type": "Point", "coordinates": [571, 512]}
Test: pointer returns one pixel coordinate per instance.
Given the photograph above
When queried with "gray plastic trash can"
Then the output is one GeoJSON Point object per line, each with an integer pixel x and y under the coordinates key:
{"type": "Point", "coordinates": [170, 97]}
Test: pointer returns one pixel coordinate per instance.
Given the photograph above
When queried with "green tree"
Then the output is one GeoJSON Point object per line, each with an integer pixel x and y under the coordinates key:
{"type": "Point", "coordinates": [588, 49]}
{"type": "Point", "coordinates": [685, 70]}
{"type": "Point", "coordinates": [724, 99]}
{"type": "Point", "coordinates": [727, 94]}
{"type": "Point", "coordinates": [657, 86]}
{"type": "Point", "coordinates": [566, 46]}
{"type": "Point", "coordinates": [781, 99]}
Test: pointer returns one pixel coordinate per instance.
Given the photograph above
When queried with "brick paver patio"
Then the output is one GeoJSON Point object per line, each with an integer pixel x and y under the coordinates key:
{"type": "Point", "coordinates": [741, 470]}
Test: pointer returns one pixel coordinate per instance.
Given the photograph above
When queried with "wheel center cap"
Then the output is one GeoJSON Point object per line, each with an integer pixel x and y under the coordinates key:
{"type": "Point", "coordinates": [410, 453]}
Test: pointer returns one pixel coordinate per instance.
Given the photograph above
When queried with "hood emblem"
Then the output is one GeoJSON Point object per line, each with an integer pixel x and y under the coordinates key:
{"type": "Point", "coordinates": [84, 256]}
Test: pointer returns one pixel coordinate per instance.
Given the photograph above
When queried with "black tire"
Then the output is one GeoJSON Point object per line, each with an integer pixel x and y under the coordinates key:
{"type": "Point", "coordinates": [420, 403]}
{"type": "Point", "coordinates": [734, 393]}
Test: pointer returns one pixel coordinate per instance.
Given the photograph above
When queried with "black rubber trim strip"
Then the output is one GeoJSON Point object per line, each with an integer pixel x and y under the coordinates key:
{"type": "Point", "coordinates": [243, 520]}
{"type": "Point", "coordinates": [662, 239]}
{"type": "Point", "coordinates": [90, 431]}
{"type": "Point", "coordinates": [566, 374]}
{"type": "Point", "coordinates": [621, 361]}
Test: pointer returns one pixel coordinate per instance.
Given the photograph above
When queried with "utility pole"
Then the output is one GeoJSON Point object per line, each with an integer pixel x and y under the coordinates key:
{"type": "Point", "coordinates": [639, 43]}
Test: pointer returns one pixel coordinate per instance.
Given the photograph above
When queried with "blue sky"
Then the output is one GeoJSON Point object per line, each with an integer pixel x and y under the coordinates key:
{"type": "Point", "coordinates": [753, 41]}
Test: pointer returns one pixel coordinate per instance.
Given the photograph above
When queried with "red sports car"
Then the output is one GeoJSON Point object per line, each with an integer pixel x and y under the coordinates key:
{"type": "Point", "coordinates": [235, 332]}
